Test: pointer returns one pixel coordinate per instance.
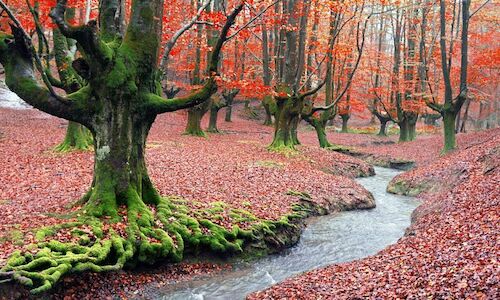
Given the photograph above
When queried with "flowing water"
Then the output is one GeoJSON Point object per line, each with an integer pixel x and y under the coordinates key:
{"type": "Point", "coordinates": [326, 240]}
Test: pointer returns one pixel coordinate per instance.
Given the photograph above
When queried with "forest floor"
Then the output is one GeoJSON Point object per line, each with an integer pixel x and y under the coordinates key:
{"type": "Point", "coordinates": [38, 185]}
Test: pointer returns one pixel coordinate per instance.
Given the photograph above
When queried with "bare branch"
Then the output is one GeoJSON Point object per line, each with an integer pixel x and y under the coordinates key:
{"type": "Point", "coordinates": [252, 20]}
{"type": "Point", "coordinates": [479, 8]}
{"type": "Point", "coordinates": [313, 91]}
{"type": "Point", "coordinates": [173, 40]}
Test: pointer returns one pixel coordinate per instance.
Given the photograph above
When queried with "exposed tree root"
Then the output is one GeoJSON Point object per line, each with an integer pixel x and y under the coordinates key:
{"type": "Point", "coordinates": [144, 234]}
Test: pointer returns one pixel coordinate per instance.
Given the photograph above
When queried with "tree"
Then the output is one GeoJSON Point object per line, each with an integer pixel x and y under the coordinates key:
{"type": "Point", "coordinates": [217, 104]}
{"type": "Point", "coordinates": [341, 66]}
{"type": "Point", "coordinates": [289, 99]}
{"type": "Point", "coordinates": [452, 106]}
{"type": "Point", "coordinates": [118, 104]}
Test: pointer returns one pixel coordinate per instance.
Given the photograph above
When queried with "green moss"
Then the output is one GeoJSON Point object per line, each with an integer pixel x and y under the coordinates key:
{"type": "Point", "coordinates": [301, 195]}
{"type": "Point", "coordinates": [15, 236]}
{"type": "Point", "coordinates": [45, 232]}
{"type": "Point", "coordinates": [77, 138]}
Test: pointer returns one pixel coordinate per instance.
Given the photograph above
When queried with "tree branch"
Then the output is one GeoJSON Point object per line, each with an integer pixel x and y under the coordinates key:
{"type": "Point", "coordinates": [312, 91]}
{"type": "Point", "coordinates": [20, 78]}
{"type": "Point", "coordinates": [169, 45]}
{"type": "Point", "coordinates": [85, 35]}
{"type": "Point", "coordinates": [252, 20]}
{"type": "Point", "coordinates": [18, 30]}
{"type": "Point", "coordinates": [479, 8]}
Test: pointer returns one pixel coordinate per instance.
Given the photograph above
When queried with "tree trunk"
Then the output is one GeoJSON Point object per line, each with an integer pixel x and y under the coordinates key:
{"type": "Point", "coordinates": [412, 126]}
{"type": "Point", "coordinates": [412, 131]}
{"type": "Point", "coordinates": [212, 124]}
{"type": "Point", "coordinates": [120, 173]}
{"type": "Point", "coordinates": [403, 131]}
{"type": "Point", "coordinates": [449, 119]}
{"type": "Point", "coordinates": [320, 128]}
{"type": "Point", "coordinates": [345, 120]}
{"type": "Point", "coordinates": [287, 111]}
{"type": "Point", "coordinates": [269, 117]}
{"type": "Point", "coordinates": [195, 115]}
{"type": "Point", "coordinates": [229, 111]}
{"type": "Point", "coordinates": [294, 130]}
{"type": "Point", "coordinates": [383, 127]}
{"type": "Point", "coordinates": [77, 138]}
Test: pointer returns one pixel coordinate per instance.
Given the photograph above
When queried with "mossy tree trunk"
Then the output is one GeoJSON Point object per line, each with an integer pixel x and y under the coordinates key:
{"type": "Point", "coordinates": [289, 100]}
{"type": "Point", "coordinates": [229, 112]}
{"type": "Point", "coordinates": [345, 119]}
{"type": "Point", "coordinates": [118, 104]}
{"type": "Point", "coordinates": [412, 126]}
{"type": "Point", "coordinates": [195, 115]}
{"type": "Point", "coordinates": [77, 138]}
{"type": "Point", "coordinates": [268, 107]}
{"type": "Point", "coordinates": [212, 123]}
{"type": "Point", "coordinates": [320, 128]}
{"type": "Point", "coordinates": [449, 119]}
{"type": "Point", "coordinates": [452, 107]}
{"type": "Point", "coordinates": [294, 130]}
{"type": "Point", "coordinates": [403, 130]}
{"type": "Point", "coordinates": [217, 104]}
{"type": "Point", "coordinates": [287, 112]}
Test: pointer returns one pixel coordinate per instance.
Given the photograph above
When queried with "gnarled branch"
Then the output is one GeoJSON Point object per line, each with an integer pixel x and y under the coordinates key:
{"type": "Point", "coordinates": [86, 35]}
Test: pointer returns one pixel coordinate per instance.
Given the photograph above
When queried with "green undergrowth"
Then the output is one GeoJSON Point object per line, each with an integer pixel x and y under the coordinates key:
{"type": "Point", "coordinates": [147, 234]}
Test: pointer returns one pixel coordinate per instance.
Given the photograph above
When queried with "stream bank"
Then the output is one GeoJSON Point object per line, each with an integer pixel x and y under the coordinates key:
{"type": "Point", "coordinates": [328, 239]}
{"type": "Point", "coordinates": [450, 251]}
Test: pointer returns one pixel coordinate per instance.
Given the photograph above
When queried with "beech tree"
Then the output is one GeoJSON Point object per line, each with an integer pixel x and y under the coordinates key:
{"type": "Point", "coordinates": [342, 62]}
{"type": "Point", "coordinates": [118, 103]}
{"type": "Point", "coordinates": [452, 106]}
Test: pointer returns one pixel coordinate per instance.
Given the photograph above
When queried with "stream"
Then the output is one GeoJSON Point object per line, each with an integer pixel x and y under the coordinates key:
{"type": "Point", "coordinates": [326, 240]}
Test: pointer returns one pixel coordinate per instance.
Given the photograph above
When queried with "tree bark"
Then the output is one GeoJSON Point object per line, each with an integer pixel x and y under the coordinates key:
{"type": "Point", "coordinates": [403, 131]}
{"type": "Point", "coordinates": [267, 107]}
{"type": "Point", "coordinates": [195, 115]}
{"type": "Point", "coordinates": [320, 128]}
{"type": "Point", "coordinates": [77, 137]}
{"type": "Point", "coordinates": [212, 124]}
{"type": "Point", "coordinates": [449, 119]}
{"type": "Point", "coordinates": [287, 110]}
{"type": "Point", "coordinates": [345, 120]}
{"type": "Point", "coordinates": [383, 127]}
{"type": "Point", "coordinates": [412, 119]}
{"type": "Point", "coordinates": [229, 112]}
